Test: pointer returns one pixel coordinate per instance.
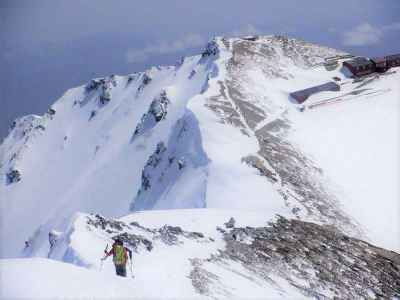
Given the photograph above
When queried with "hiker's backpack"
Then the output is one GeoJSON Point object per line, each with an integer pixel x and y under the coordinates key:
{"type": "Point", "coordinates": [119, 255]}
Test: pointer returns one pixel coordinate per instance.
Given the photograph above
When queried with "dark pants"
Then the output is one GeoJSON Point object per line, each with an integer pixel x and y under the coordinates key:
{"type": "Point", "coordinates": [120, 270]}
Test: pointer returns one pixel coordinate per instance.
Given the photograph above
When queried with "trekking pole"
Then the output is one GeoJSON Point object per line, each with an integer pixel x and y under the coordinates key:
{"type": "Point", "coordinates": [102, 259]}
{"type": "Point", "coordinates": [133, 276]}
{"type": "Point", "coordinates": [130, 262]}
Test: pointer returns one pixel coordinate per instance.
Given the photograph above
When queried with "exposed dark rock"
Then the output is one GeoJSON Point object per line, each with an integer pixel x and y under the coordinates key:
{"type": "Point", "coordinates": [222, 105]}
{"type": "Point", "coordinates": [192, 74]}
{"type": "Point", "coordinates": [146, 79]}
{"type": "Point", "coordinates": [318, 260]}
{"type": "Point", "coordinates": [230, 223]}
{"type": "Point", "coordinates": [104, 84]}
{"type": "Point", "coordinates": [170, 234]}
{"type": "Point", "coordinates": [181, 164]}
{"type": "Point", "coordinates": [202, 280]}
{"type": "Point", "coordinates": [94, 84]}
{"type": "Point", "coordinates": [194, 235]}
{"type": "Point", "coordinates": [220, 229]}
{"type": "Point", "coordinates": [136, 224]}
{"type": "Point", "coordinates": [105, 96]}
{"type": "Point", "coordinates": [258, 164]}
{"type": "Point", "coordinates": [40, 127]}
{"type": "Point", "coordinates": [13, 176]}
{"type": "Point", "coordinates": [211, 49]}
{"type": "Point", "coordinates": [145, 181]}
{"type": "Point", "coordinates": [134, 241]}
{"type": "Point", "coordinates": [92, 114]}
{"type": "Point", "coordinates": [51, 111]}
{"type": "Point", "coordinates": [132, 77]}
{"type": "Point", "coordinates": [152, 163]}
{"type": "Point", "coordinates": [302, 182]}
{"type": "Point", "coordinates": [99, 221]}
{"type": "Point", "coordinates": [159, 106]}
{"type": "Point", "coordinates": [13, 125]}
{"type": "Point", "coordinates": [250, 38]}
{"type": "Point", "coordinates": [157, 112]}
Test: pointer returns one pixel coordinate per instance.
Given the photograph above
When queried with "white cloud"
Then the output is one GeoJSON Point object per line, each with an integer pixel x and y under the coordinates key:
{"type": "Point", "coordinates": [189, 41]}
{"type": "Point", "coordinates": [365, 34]}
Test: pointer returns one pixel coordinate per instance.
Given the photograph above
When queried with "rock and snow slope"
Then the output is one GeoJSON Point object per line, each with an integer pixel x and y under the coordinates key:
{"type": "Point", "coordinates": [216, 131]}
{"type": "Point", "coordinates": [245, 258]}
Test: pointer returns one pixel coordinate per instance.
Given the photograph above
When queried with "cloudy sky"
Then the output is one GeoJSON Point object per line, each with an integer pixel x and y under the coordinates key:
{"type": "Point", "coordinates": [48, 46]}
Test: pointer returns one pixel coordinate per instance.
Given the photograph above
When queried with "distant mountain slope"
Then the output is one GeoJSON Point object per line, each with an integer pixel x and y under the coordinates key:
{"type": "Point", "coordinates": [218, 130]}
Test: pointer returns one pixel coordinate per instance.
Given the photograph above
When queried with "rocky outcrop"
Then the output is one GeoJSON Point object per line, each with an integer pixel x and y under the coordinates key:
{"type": "Point", "coordinates": [157, 112]}
{"type": "Point", "coordinates": [104, 84]}
{"type": "Point", "coordinates": [146, 79]}
{"type": "Point", "coordinates": [13, 176]}
{"type": "Point", "coordinates": [319, 261]}
{"type": "Point", "coordinates": [133, 241]}
{"type": "Point", "coordinates": [170, 234]}
{"type": "Point", "coordinates": [51, 112]}
{"type": "Point", "coordinates": [109, 225]}
{"type": "Point", "coordinates": [23, 132]}
{"type": "Point", "coordinates": [151, 164]}
{"type": "Point", "coordinates": [258, 164]}
{"type": "Point", "coordinates": [105, 95]}
{"type": "Point", "coordinates": [211, 49]}
{"type": "Point", "coordinates": [230, 223]}
{"type": "Point", "coordinates": [128, 233]}
{"type": "Point", "coordinates": [94, 84]}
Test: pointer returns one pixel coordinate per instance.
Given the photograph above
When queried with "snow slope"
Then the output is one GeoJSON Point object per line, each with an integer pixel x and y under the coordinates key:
{"type": "Point", "coordinates": [357, 143]}
{"type": "Point", "coordinates": [163, 270]}
{"type": "Point", "coordinates": [172, 259]}
{"type": "Point", "coordinates": [218, 133]}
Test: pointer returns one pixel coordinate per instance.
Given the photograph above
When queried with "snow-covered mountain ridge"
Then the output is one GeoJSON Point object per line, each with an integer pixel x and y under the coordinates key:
{"type": "Point", "coordinates": [216, 131]}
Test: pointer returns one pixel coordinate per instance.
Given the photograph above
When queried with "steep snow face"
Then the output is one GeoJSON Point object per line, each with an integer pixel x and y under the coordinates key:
{"type": "Point", "coordinates": [218, 130]}
{"type": "Point", "coordinates": [84, 156]}
{"type": "Point", "coordinates": [175, 175]}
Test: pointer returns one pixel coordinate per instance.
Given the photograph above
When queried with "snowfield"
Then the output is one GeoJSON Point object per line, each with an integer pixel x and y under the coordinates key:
{"type": "Point", "coordinates": [165, 158]}
{"type": "Point", "coordinates": [165, 270]}
{"type": "Point", "coordinates": [358, 146]}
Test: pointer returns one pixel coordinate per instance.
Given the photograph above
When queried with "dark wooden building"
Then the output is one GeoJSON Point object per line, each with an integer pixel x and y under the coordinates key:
{"type": "Point", "coordinates": [360, 66]}
{"type": "Point", "coordinates": [393, 60]}
{"type": "Point", "coordinates": [303, 95]}
{"type": "Point", "coordinates": [380, 64]}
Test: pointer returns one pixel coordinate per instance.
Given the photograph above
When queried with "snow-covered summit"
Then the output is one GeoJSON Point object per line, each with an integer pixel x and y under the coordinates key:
{"type": "Point", "coordinates": [218, 131]}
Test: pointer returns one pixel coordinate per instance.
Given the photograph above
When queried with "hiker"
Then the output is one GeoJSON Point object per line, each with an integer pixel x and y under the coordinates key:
{"type": "Point", "coordinates": [120, 257]}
